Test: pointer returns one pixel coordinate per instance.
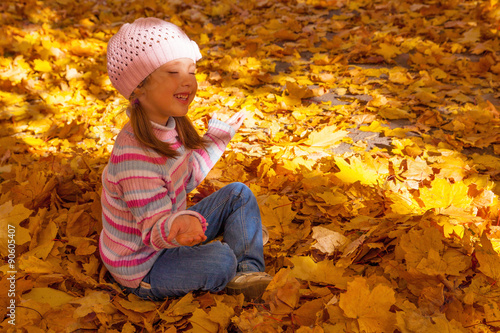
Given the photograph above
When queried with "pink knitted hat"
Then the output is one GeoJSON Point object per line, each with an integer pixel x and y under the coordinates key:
{"type": "Point", "coordinates": [139, 48]}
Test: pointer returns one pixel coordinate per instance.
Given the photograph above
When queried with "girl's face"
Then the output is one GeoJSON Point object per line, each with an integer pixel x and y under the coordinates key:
{"type": "Point", "coordinates": [169, 90]}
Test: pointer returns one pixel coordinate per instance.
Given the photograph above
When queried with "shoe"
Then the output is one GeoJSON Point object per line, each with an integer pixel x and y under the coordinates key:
{"type": "Point", "coordinates": [265, 235]}
{"type": "Point", "coordinates": [251, 284]}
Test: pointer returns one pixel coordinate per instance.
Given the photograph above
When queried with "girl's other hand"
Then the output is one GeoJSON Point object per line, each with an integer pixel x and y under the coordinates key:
{"type": "Point", "coordinates": [235, 121]}
{"type": "Point", "coordinates": [187, 231]}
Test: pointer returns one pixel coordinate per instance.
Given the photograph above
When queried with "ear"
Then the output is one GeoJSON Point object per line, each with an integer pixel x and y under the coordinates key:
{"type": "Point", "coordinates": [137, 92]}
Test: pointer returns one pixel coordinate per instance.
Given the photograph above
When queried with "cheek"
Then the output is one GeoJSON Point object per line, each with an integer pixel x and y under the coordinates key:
{"type": "Point", "coordinates": [163, 90]}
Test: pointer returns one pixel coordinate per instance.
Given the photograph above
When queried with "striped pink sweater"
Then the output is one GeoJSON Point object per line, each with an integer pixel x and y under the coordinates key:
{"type": "Point", "coordinates": [143, 192]}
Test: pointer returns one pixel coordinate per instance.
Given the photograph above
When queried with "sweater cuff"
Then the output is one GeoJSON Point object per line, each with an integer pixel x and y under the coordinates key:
{"type": "Point", "coordinates": [220, 130]}
{"type": "Point", "coordinates": [200, 217]}
{"type": "Point", "coordinates": [159, 239]}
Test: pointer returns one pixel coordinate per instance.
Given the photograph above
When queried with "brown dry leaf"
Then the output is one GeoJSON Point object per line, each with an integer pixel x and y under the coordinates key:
{"type": "Point", "coordinates": [489, 260]}
{"type": "Point", "coordinates": [415, 322]}
{"type": "Point", "coordinates": [324, 272]}
{"type": "Point", "coordinates": [283, 292]}
{"type": "Point", "coordinates": [54, 298]}
{"type": "Point", "coordinates": [10, 218]}
{"type": "Point", "coordinates": [97, 302]}
{"type": "Point", "coordinates": [309, 312]}
{"type": "Point", "coordinates": [370, 306]}
{"type": "Point", "coordinates": [137, 304]}
{"type": "Point", "coordinates": [215, 320]}
{"type": "Point", "coordinates": [179, 308]}
{"type": "Point", "coordinates": [327, 241]}
{"type": "Point", "coordinates": [328, 136]}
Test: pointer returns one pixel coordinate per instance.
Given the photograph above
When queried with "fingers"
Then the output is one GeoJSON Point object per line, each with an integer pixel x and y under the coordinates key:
{"type": "Point", "coordinates": [236, 120]}
{"type": "Point", "coordinates": [174, 230]}
{"type": "Point", "coordinates": [238, 117]}
{"type": "Point", "coordinates": [186, 230]}
{"type": "Point", "coordinates": [191, 240]}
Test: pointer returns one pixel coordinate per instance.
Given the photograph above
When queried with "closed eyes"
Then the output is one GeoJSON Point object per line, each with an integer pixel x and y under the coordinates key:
{"type": "Point", "coordinates": [171, 72]}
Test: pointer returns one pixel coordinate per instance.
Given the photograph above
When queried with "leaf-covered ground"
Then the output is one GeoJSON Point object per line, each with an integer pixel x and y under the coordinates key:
{"type": "Point", "coordinates": [371, 144]}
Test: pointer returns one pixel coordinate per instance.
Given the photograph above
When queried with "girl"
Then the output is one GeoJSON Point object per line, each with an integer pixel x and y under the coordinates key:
{"type": "Point", "coordinates": [150, 243]}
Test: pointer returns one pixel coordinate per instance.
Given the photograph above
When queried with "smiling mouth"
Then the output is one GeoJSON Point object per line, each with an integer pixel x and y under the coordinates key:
{"type": "Point", "coordinates": [182, 97]}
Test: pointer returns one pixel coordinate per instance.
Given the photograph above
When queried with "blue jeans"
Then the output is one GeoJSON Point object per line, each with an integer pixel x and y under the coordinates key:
{"type": "Point", "coordinates": [232, 212]}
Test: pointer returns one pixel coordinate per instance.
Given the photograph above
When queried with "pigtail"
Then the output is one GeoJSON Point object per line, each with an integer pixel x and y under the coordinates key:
{"type": "Point", "coordinates": [188, 134]}
{"type": "Point", "coordinates": [144, 132]}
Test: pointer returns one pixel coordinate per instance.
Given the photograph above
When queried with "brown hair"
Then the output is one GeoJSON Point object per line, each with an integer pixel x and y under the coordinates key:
{"type": "Point", "coordinates": [188, 135]}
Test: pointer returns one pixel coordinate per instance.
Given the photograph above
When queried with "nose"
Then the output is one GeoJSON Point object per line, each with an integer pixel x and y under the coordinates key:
{"type": "Point", "coordinates": [188, 80]}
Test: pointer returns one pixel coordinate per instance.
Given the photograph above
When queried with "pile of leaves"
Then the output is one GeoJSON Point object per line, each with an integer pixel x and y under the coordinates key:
{"type": "Point", "coordinates": [371, 145]}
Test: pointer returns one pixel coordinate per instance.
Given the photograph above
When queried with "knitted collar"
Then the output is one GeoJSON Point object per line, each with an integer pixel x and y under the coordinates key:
{"type": "Point", "coordinates": [165, 132]}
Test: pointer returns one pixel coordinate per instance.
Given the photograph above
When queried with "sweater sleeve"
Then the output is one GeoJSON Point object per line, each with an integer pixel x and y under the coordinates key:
{"type": "Point", "coordinates": [145, 194]}
{"type": "Point", "coordinates": [202, 161]}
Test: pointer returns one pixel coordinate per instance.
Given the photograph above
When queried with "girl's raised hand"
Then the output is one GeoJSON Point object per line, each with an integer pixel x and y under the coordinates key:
{"type": "Point", "coordinates": [186, 230]}
{"type": "Point", "coordinates": [235, 121]}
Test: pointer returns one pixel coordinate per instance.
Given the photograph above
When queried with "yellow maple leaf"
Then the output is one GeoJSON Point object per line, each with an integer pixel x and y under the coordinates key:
{"type": "Point", "coordinates": [451, 166]}
{"type": "Point", "coordinates": [52, 297]}
{"type": "Point", "coordinates": [12, 232]}
{"type": "Point", "coordinates": [97, 302]}
{"type": "Point", "coordinates": [221, 313]}
{"type": "Point", "coordinates": [84, 48]}
{"type": "Point", "coordinates": [451, 227]}
{"type": "Point", "coordinates": [355, 171]}
{"type": "Point", "coordinates": [283, 291]}
{"type": "Point", "coordinates": [43, 238]}
{"type": "Point", "coordinates": [488, 161]}
{"type": "Point", "coordinates": [480, 286]}
{"type": "Point", "coordinates": [370, 307]}
{"type": "Point", "coordinates": [328, 136]}
{"type": "Point", "coordinates": [388, 51]}
{"type": "Point", "coordinates": [471, 36]}
{"type": "Point", "coordinates": [306, 315]}
{"type": "Point", "coordinates": [403, 202]}
{"type": "Point", "coordinates": [417, 169]}
{"type": "Point", "coordinates": [489, 260]}
{"type": "Point", "coordinates": [375, 126]}
{"type": "Point", "coordinates": [42, 65]}
{"type": "Point", "coordinates": [31, 264]}
{"type": "Point", "coordinates": [276, 213]}
{"type": "Point", "coordinates": [137, 304]}
{"type": "Point", "coordinates": [426, 96]}
{"type": "Point", "coordinates": [424, 250]}
{"type": "Point", "coordinates": [298, 91]}
{"type": "Point", "coordinates": [298, 164]}
{"type": "Point", "coordinates": [322, 272]}
{"type": "Point", "coordinates": [288, 101]}
{"type": "Point", "coordinates": [438, 73]}
{"type": "Point", "coordinates": [399, 75]}
{"type": "Point", "coordinates": [181, 307]}
{"type": "Point", "coordinates": [414, 321]}
{"type": "Point", "coordinates": [332, 197]}
{"type": "Point", "coordinates": [450, 263]}
{"type": "Point", "coordinates": [253, 320]}
{"type": "Point", "coordinates": [18, 69]}
{"type": "Point", "coordinates": [443, 194]}
{"type": "Point", "coordinates": [202, 322]}
{"type": "Point", "coordinates": [416, 244]}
